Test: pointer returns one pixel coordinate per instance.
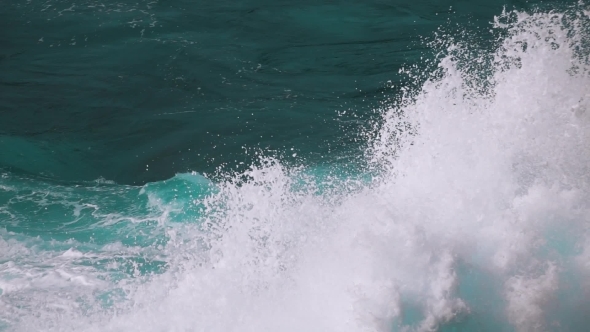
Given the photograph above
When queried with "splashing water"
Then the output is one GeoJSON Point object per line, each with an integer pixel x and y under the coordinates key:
{"type": "Point", "coordinates": [471, 215]}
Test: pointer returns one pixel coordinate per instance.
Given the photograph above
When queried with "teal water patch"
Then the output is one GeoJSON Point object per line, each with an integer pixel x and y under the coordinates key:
{"type": "Point", "coordinates": [335, 180]}
{"type": "Point", "coordinates": [108, 232]}
{"type": "Point", "coordinates": [181, 197]}
{"type": "Point", "coordinates": [97, 211]}
{"type": "Point", "coordinates": [483, 293]}
{"type": "Point", "coordinates": [92, 242]}
{"type": "Point", "coordinates": [411, 316]}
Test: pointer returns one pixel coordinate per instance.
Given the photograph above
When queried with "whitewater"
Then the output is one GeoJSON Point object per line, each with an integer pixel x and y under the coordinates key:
{"type": "Point", "coordinates": [470, 211]}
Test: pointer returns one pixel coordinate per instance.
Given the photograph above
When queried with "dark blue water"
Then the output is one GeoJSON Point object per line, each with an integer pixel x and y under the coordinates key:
{"type": "Point", "coordinates": [93, 89]}
{"type": "Point", "coordinates": [294, 166]}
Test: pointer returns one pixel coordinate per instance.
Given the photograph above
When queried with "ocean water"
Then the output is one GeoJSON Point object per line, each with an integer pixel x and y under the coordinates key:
{"type": "Point", "coordinates": [294, 166]}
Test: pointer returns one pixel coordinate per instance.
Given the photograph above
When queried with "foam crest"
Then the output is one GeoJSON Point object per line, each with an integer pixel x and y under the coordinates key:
{"type": "Point", "coordinates": [494, 171]}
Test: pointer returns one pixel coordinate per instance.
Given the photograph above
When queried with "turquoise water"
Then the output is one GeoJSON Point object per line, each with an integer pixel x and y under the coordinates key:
{"type": "Point", "coordinates": [294, 166]}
